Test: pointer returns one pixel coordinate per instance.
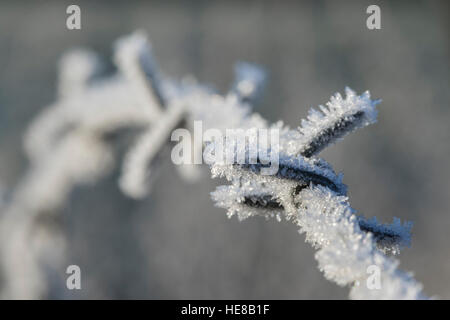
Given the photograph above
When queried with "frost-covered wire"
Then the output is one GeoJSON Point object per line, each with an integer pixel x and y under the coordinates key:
{"type": "Point", "coordinates": [134, 181]}
{"type": "Point", "coordinates": [338, 118]}
{"type": "Point", "coordinates": [67, 145]}
{"type": "Point", "coordinates": [31, 242]}
{"type": "Point", "coordinates": [308, 193]}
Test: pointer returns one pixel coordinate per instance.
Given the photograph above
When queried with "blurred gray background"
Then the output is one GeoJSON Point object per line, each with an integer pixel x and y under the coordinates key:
{"type": "Point", "coordinates": [176, 244]}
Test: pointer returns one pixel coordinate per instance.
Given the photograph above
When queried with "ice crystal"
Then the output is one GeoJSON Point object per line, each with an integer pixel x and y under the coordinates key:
{"type": "Point", "coordinates": [345, 251]}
